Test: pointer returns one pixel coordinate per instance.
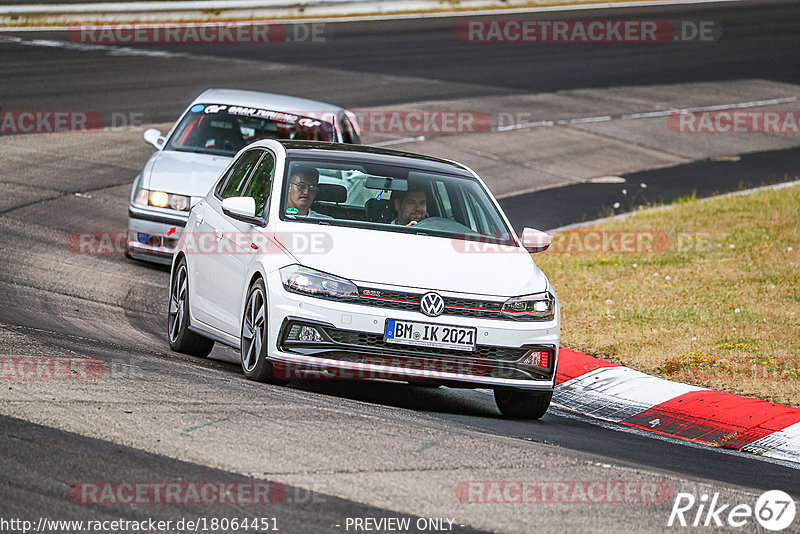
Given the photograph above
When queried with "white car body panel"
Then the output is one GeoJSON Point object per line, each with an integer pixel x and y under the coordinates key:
{"type": "Point", "coordinates": [406, 260]}
{"type": "Point", "coordinates": [184, 173]}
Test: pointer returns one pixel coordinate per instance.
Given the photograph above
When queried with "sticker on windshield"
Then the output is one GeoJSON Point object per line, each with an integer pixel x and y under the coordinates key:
{"type": "Point", "coordinates": [215, 108]}
{"type": "Point", "coordinates": [197, 108]}
{"type": "Point", "coordinates": [292, 211]}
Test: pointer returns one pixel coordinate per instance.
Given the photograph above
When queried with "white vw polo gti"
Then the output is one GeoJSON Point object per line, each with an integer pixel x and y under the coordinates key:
{"type": "Point", "coordinates": [332, 261]}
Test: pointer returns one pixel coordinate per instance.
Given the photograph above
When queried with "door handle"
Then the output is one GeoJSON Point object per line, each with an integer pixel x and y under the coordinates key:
{"type": "Point", "coordinates": [198, 220]}
{"type": "Point", "coordinates": [218, 233]}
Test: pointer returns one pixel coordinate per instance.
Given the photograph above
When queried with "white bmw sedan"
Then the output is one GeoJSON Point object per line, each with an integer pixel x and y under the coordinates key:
{"type": "Point", "coordinates": [335, 261]}
{"type": "Point", "coordinates": [215, 126]}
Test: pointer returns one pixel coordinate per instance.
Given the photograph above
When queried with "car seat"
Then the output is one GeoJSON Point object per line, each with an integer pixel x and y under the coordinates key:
{"type": "Point", "coordinates": [379, 210]}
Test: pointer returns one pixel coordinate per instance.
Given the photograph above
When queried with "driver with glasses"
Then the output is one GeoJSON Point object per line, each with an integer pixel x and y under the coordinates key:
{"type": "Point", "coordinates": [303, 189]}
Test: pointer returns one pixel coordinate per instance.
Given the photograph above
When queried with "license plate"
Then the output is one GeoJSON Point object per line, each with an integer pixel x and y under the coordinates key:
{"type": "Point", "coordinates": [430, 335]}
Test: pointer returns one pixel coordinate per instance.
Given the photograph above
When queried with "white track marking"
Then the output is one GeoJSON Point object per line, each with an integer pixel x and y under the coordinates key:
{"type": "Point", "coordinates": [616, 393]}
{"type": "Point", "coordinates": [648, 114]}
{"type": "Point", "coordinates": [783, 444]}
{"type": "Point", "coordinates": [399, 141]}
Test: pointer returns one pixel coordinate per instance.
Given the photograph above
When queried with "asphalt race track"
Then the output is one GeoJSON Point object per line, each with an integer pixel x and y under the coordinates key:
{"type": "Point", "coordinates": [340, 449]}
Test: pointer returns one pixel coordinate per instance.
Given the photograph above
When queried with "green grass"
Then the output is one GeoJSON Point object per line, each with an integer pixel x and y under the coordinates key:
{"type": "Point", "coordinates": [717, 306]}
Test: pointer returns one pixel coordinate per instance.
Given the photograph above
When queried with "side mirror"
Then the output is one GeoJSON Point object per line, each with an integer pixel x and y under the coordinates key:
{"type": "Point", "coordinates": [154, 137]}
{"type": "Point", "coordinates": [535, 240]}
{"type": "Point", "coordinates": [242, 209]}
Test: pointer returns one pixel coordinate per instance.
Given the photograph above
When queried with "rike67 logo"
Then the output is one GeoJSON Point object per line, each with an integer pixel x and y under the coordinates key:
{"type": "Point", "coordinates": [774, 510]}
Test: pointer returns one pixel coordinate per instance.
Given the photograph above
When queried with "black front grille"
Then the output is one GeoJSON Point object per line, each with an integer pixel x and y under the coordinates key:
{"type": "Point", "coordinates": [452, 365]}
{"type": "Point", "coordinates": [370, 348]}
{"type": "Point", "coordinates": [401, 300]}
{"type": "Point", "coordinates": [350, 337]}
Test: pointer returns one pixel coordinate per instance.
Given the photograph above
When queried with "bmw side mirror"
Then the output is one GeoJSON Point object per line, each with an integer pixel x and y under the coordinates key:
{"type": "Point", "coordinates": [242, 209]}
{"type": "Point", "coordinates": [535, 240]}
{"type": "Point", "coordinates": [154, 137]}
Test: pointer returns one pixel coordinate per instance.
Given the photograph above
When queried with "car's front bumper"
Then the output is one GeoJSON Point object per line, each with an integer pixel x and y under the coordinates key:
{"type": "Point", "coordinates": [153, 235]}
{"type": "Point", "coordinates": [354, 348]}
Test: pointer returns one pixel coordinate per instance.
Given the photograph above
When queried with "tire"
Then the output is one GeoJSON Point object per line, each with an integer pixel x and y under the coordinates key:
{"type": "Point", "coordinates": [516, 404]}
{"type": "Point", "coordinates": [181, 339]}
{"type": "Point", "coordinates": [254, 337]}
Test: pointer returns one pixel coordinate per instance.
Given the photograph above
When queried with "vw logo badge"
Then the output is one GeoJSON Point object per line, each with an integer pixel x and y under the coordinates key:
{"type": "Point", "coordinates": [431, 304]}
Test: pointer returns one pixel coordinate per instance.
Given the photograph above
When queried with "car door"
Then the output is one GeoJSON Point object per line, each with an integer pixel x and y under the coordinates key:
{"type": "Point", "coordinates": [209, 238]}
{"type": "Point", "coordinates": [240, 247]}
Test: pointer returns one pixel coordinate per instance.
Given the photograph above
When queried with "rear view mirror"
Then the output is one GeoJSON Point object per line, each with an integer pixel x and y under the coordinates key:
{"type": "Point", "coordinates": [535, 240]}
{"type": "Point", "coordinates": [154, 137]}
{"type": "Point", "coordinates": [386, 183]}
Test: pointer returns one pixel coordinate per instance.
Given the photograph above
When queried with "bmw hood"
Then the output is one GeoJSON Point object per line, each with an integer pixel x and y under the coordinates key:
{"type": "Point", "coordinates": [414, 261]}
{"type": "Point", "coordinates": [183, 173]}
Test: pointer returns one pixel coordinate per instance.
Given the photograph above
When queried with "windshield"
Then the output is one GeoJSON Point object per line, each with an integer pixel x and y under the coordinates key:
{"type": "Point", "coordinates": [224, 130]}
{"type": "Point", "coordinates": [391, 198]}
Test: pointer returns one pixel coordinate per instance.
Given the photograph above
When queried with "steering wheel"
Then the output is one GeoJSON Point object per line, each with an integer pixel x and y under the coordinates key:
{"type": "Point", "coordinates": [442, 224]}
{"type": "Point", "coordinates": [428, 221]}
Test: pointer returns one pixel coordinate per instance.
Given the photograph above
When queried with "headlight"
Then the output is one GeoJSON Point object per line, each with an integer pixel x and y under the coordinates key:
{"type": "Point", "coordinates": [299, 279]}
{"type": "Point", "coordinates": [539, 307]}
{"type": "Point", "coordinates": [160, 199]}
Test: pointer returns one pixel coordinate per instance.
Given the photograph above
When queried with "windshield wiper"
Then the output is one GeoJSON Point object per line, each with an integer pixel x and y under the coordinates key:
{"type": "Point", "coordinates": [202, 151]}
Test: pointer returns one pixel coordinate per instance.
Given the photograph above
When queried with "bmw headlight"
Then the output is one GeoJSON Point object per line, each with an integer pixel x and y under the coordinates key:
{"type": "Point", "coordinates": [160, 199]}
{"type": "Point", "coordinates": [306, 281]}
{"type": "Point", "coordinates": [538, 307]}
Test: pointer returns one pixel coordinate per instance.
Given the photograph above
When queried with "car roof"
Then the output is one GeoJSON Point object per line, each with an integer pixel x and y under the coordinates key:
{"type": "Point", "coordinates": [370, 154]}
{"type": "Point", "coordinates": [256, 99]}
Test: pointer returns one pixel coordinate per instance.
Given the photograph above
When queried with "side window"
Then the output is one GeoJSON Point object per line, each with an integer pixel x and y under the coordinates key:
{"type": "Point", "coordinates": [260, 184]}
{"type": "Point", "coordinates": [237, 175]}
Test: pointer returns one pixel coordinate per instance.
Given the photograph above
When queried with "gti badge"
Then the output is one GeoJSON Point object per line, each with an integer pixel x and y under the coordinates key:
{"type": "Point", "coordinates": [431, 304]}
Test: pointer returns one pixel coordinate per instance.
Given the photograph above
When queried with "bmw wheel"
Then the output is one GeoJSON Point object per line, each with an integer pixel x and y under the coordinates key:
{"type": "Point", "coordinates": [254, 339]}
{"type": "Point", "coordinates": [181, 339]}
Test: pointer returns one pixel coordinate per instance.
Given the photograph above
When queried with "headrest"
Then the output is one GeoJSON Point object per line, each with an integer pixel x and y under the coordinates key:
{"type": "Point", "coordinates": [381, 211]}
{"type": "Point", "coordinates": [332, 193]}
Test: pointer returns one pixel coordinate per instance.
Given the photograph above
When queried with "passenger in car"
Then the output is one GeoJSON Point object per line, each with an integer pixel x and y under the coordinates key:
{"type": "Point", "coordinates": [411, 206]}
{"type": "Point", "coordinates": [303, 189]}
